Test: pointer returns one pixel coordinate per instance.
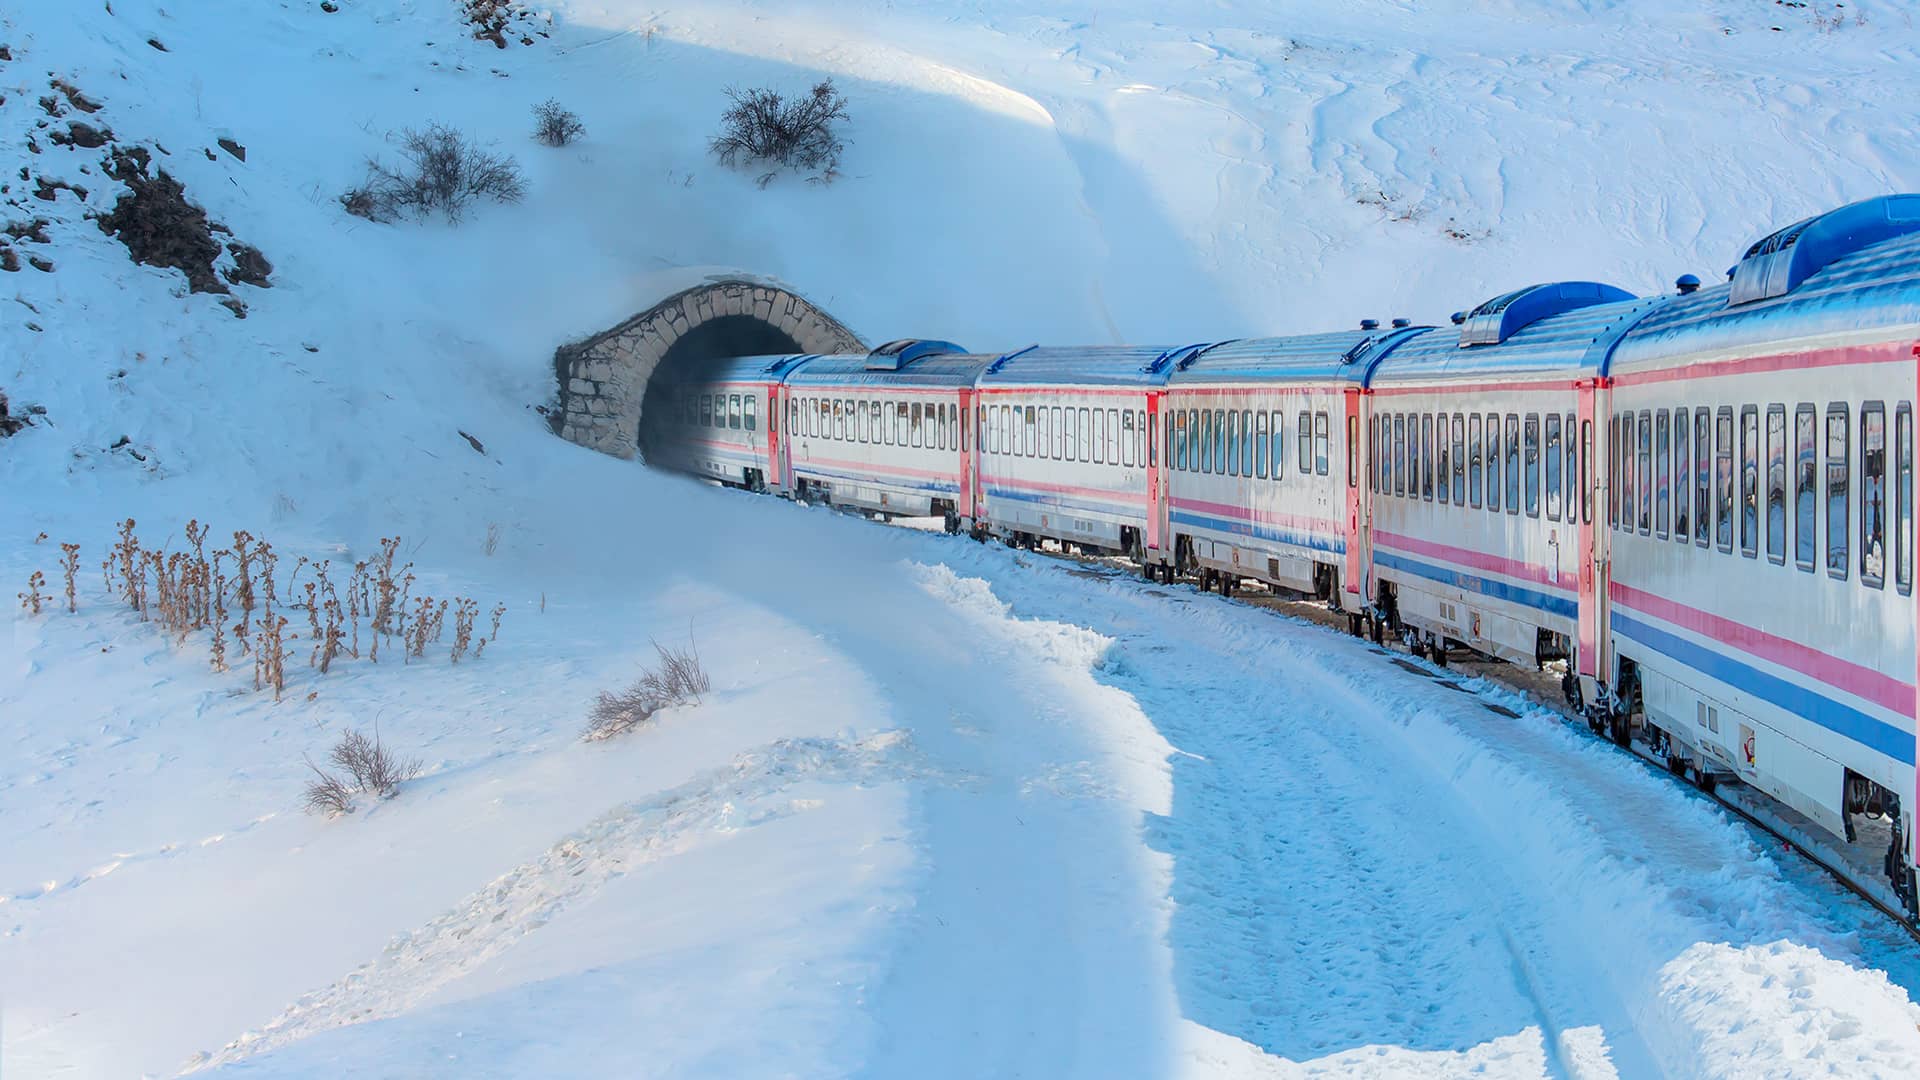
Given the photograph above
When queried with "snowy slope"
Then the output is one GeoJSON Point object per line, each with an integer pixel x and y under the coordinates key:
{"type": "Point", "coordinates": [946, 813]}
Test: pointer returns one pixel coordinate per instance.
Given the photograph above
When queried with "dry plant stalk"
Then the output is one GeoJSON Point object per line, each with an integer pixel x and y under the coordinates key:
{"type": "Point", "coordinates": [677, 679]}
{"type": "Point", "coordinates": [33, 599]}
{"type": "Point", "coordinates": [464, 613]}
{"type": "Point", "coordinates": [327, 794]}
{"type": "Point", "coordinates": [70, 563]}
{"type": "Point", "coordinates": [374, 768]}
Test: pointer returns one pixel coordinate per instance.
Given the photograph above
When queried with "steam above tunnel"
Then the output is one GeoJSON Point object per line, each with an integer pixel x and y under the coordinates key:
{"type": "Point", "coordinates": [604, 380]}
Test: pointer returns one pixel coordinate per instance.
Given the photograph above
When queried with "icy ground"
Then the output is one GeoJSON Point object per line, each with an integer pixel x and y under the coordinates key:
{"type": "Point", "coordinates": [949, 811]}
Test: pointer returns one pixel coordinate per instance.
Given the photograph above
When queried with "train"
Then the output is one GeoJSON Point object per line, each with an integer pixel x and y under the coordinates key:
{"type": "Point", "coordinates": [1697, 505]}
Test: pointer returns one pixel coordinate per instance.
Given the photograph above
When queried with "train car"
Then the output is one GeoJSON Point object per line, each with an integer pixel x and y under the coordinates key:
{"type": "Point", "coordinates": [884, 432]}
{"type": "Point", "coordinates": [1760, 521]}
{"type": "Point", "coordinates": [1067, 451]}
{"type": "Point", "coordinates": [1263, 461]}
{"type": "Point", "coordinates": [725, 420]}
{"type": "Point", "coordinates": [1481, 530]}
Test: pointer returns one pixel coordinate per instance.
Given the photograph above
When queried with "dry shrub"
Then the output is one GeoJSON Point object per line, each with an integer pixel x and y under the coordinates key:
{"type": "Point", "coordinates": [677, 679]}
{"type": "Point", "coordinates": [375, 769]}
{"type": "Point", "coordinates": [762, 126]}
{"type": "Point", "coordinates": [555, 124]}
{"type": "Point", "coordinates": [33, 599]}
{"type": "Point", "coordinates": [327, 794]}
{"type": "Point", "coordinates": [442, 172]}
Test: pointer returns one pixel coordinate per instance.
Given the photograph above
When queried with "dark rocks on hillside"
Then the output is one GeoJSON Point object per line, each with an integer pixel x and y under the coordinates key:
{"type": "Point", "coordinates": [85, 136]}
{"type": "Point", "coordinates": [159, 226]}
{"type": "Point", "coordinates": [249, 266]}
{"type": "Point", "coordinates": [234, 148]}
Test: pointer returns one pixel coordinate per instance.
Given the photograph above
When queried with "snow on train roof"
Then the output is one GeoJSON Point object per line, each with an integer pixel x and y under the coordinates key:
{"type": "Point", "coordinates": [1339, 356]}
{"type": "Point", "coordinates": [939, 369]}
{"type": "Point", "coordinates": [1096, 365]}
{"type": "Point", "coordinates": [1873, 291]}
{"type": "Point", "coordinates": [734, 369]}
{"type": "Point", "coordinates": [1575, 344]}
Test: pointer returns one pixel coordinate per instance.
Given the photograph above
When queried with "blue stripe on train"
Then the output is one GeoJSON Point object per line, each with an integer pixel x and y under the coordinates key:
{"type": "Point", "coordinates": [935, 488]}
{"type": "Point", "coordinates": [1048, 498]}
{"type": "Point", "coordinates": [1841, 719]}
{"type": "Point", "coordinates": [1337, 546]}
{"type": "Point", "coordinates": [1564, 606]}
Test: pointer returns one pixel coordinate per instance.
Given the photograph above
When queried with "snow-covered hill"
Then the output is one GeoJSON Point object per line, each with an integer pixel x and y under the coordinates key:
{"type": "Point", "coordinates": [945, 813]}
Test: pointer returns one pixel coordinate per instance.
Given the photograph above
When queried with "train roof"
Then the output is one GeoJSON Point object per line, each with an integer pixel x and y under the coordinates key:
{"type": "Point", "coordinates": [1097, 365]}
{"type": "Point", "coordinates": [1563, 335]}
{"type": "Point", "coordinates": [757, 369]}
{"type": "Point", "coordinates": [930, 368]}
{"type": "Point", "coordinates": [1849, 274]}
{"type": "Point", "coordinates": [1342, 356]}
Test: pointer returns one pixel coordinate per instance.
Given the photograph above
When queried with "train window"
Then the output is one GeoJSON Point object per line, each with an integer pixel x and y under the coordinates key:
{"type": "Point", "coordinates": [1320, 448]}
{"type": "Point", "coordinates": [1643, 473]}
{"type": "Point", "coordinates": [1279, 445]}
{"type": "Point", "coordinates": [1682, 477]}
{"type": "Point", "coordinates": [753, 409]}
{"type": "Point", "coordinates": [839, 418]}
{"type": "Point", "coordinates": [1353, 451]}
{"type": "Point", "coordinates": [1220, 440]}
{"type": "Point", "coordinates": [963, 424]}
{"type": "Point", "coordinates": [1206, 440]}
{"type": "Point", "coordinates": [937, 423]}
{"type": "Point", "coordinates": [1838, 444]}
{"type": "Point", "coordinates": [1413, 456]}
{"type": "Point", "coordinates": [1400, 454]}
{"type": "Point", "coordinates": [1045, 427]}
{"type": "Point", "coordinates": [1903, 498]}
{"type": "Point", "coordinates": [1513, 463]}
{"type": "Point", "coordinates": [1703, 477]}
{"type": "Point", "coordinates": [733, 412]}
{"type": "Point", "coordinates": [913, 426]}
{"type": "Point", "coordinates": [1181, 439]}
{"type": "Point", "coordinates": [1083, 437]}
{"type": "Point", "coordinates": [1493, 462]}
{"type": "Point", "coordinates": [1059, 433]}
{"type": "Point", "coordinates": [1873, 494]}
{"type": "Point", "coordinates": [1099, 437]}
{"type": "Point", "coordinates": [1246, 442]}
{"type": "Point", "coordinates": [1306, 442]}
{"type": "Point", "coordinates": [706, 410]}
{"type": "Point", "coordinates": [1427, 456]}
{"type": "Point", "coordinates": [860, 422]}
{"type": "Point", "coordinates": [1533, 464]}
{"type": "Point", "coordinates": [1662, 474]}
{"type": "Point", "coordinates": [1749, 481]}
{"type": "Point", "coordinates": [1459, 460]}
{"type": "Point", "coordinates": [1233, 442]}
{"type": "Point", "coordinates": [1126, 438]}
{"type": "Point", "coordinates": [1113, 436]}
{"type": "Point", "coordinates": [1553, 467]}
{"type": "Point", "coordinates": [1569, 455]}
{"type": "Point", "coordinates": [1033, 430]}
{"type": "Point", "coordinates": [1260, 445]}
{"type": "Point", "coordinates": [1723, 478]}
{"type": "Point", "coordinates": [1474, 461]}
{"type": "Point", "coordinates": [1777, 483]}
{"type": "Point", "coordinates": [1442, 486]}
{"type": "Point", "coordinates": [1613, 471]}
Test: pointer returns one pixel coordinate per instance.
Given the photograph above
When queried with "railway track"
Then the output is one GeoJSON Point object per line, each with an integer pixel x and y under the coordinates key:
{"type": "Point", "coordinates": [1852, 867]}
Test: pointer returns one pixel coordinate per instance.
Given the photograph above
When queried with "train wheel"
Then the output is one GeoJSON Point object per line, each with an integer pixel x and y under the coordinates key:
{"type": "Point", "coordinates": [1439, 650]}
{"type": "Point", "coordinates": [1621, 729]}
{"type": "Point", "coordinates": [1379, 629]}
{"type": "Point", "coordinates": [1353, 625]}
{"type": "Point", "coordinates": [1226, 584]}
{"type": "Point", "coordinates": [952, 522]}
{"type": "Point", "coordinates": [1149, 571]}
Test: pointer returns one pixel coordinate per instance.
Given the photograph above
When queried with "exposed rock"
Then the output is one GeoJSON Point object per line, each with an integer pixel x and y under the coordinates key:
{"type": "Point", "coordinates": [45, 266]}
{"type": "Point", "coordinates": [249, 266]}
{"type": "Point", "coordinates": [74, 97]}
{"type": "Point", "coordinates": [159, 226]}
{"type": "Point", "coordinates": [85, 136]}
{"type": "Point", "coordinates": [234, 148]}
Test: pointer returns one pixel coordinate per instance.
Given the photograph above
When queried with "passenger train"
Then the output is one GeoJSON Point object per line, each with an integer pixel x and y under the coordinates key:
{"type": "Point", "coordinates": [1702, 503]}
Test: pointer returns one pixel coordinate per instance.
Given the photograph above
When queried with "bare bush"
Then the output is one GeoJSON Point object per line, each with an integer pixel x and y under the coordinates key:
{"type": "Point", "coordinates": [800, 134]}
{"type": "Point", "coordinates": [327, 794]}
{"type": "Point", "coordinates": [555, 124]}
{"type": "Point", "coordinates": [442, 172]}
{"type": "Point", "coordinates": [677, 679]}
{"type": "Point", "coordinates": [374, 768]}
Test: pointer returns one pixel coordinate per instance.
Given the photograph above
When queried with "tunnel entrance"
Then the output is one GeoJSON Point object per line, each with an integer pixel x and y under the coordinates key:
{"type": "Point", "coordinates": [606, 381]}
{"type": "Point", "coordinates": [727, 335]}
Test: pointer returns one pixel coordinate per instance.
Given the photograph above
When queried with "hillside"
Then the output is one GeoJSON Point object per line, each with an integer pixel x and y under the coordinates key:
{"type": "Point", "coordinates": [939, 815]}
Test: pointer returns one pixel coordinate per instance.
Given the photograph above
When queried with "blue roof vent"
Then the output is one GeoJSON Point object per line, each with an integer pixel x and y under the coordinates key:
{"type": "Point", "coordinates": [1504, 316]}
{"type": "Point", "coordinates": [1196, 352]}
{"type": "Point", "coordinates": [1686, 284]}
{"type": "Point", "coordinates": [1369, 324]}
{"type": "Point", "coordinates": [1777, 264]}
{"type": "Point", "coordinates": [895, 355]}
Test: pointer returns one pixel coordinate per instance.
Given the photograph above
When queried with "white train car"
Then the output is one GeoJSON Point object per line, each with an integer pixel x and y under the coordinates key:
{"type": "Point", "coordinates": [726, 430]}
{"type": "Point", "coordinates": [1263, 461]}
{"type": "Point", "coordinates": [1067, 451]}
{"type": "Point", "coordinates": [1480, 531]}
{"type": "Point", "coordinates": [1760, 521]}
{"type": "Point", "coordinates": [884, 432]}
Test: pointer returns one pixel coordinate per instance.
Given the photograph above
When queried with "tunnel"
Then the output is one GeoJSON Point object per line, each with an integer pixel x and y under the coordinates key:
{"type": "Point", "coordinates": [607, 380]}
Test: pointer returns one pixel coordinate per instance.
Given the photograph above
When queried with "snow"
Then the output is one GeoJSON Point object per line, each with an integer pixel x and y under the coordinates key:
{"type": "Point", "coordinates": [950, 810]}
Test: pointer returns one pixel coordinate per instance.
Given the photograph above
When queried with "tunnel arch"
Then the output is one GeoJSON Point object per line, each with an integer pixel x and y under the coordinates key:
{"type": "Point", "coordinates": [604, 379]}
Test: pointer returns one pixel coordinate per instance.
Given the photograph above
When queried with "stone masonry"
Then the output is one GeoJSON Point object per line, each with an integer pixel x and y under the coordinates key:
{"type": "Point", "coordinates": [603, 380]}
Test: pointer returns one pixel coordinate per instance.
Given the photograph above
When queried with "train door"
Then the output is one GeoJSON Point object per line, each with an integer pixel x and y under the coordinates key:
{"type": "Point", "coordinates": [1593, 544]}
{"type": "Point", "coordinates": [1355, 574]}
{"type": "Point", "coordinates": [969, 483]}
{"type": "Point", "coordinates": [1156, 484]}
{"type": "Point", "coordinates": [777, 463]}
